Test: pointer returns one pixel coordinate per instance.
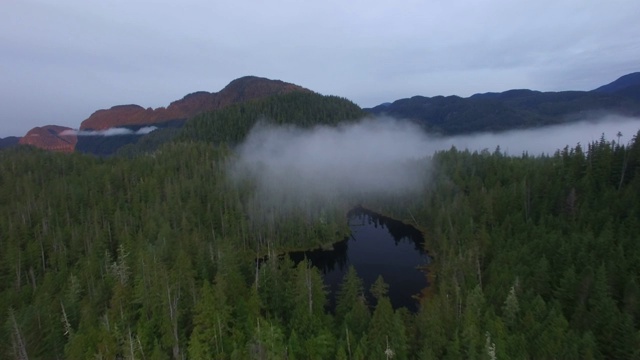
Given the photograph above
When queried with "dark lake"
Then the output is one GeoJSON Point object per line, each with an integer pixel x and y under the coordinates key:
{"type": "Point", "coordinates": [378, 246]}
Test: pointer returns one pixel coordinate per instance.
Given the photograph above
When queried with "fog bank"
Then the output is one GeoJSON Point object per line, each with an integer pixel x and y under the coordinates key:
{"type": "Point", "coordinates": [381, 156]}
{"type": "Point", "coordinates": [545, 140]}
{"type": "Point", "coordinates": [110, 132]}
{"type": "Point", "coordinates": [374, 155]}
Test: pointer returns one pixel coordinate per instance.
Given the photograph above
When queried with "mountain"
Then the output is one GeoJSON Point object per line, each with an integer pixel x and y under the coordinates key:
{"type": "Point", "coordinates": [52, 138]}
{"type": "Point", "coordinates": [9, 141]}
{"type": "Point", "coordinates": [627, 85]}
{"type": "Point", "coordinates": [518, 108]}
{"type": "Point", "coordinates": [105, 145]}
{"type": "Point", "coordinates": [239, 90]}
{"type": "Point", "coordinates": [300, 109]}
{"type": "Point", "coordinates": [232, 124]}
{"type": "Point", "coordinates": [620, 84]}
{"type": "Point", "coordinates": [494, 111]}
{"type": "Point", "coordinates": [134, 117]}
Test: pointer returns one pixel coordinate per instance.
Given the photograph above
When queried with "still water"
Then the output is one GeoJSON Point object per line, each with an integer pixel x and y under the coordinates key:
{"type": "Point", "coordinates": [378, 246]}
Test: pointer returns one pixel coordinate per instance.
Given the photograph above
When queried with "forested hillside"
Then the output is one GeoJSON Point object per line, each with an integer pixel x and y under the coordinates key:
{"type": "Point", "coordinates": [232, 124]}
{"type": "Point", "coordinates": [153, 255]}
{"type": "Point", "coordinates": [516, 109]}
{"type": "Point", "coordinates": [8, 142]}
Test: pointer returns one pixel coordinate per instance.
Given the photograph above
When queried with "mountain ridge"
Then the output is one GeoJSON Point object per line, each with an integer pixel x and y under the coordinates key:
{"type": "Point", "coordinates": [490, 111]}
{"type": "Point", "coordinates": [243, 89]}
{"type": "Point", "coordinates": [620, 84]}
{"type": "Point", "coordinates": [515, 108]}
{"type": "Point", "coordinates": [9, 141]}
{"type": "Point", "coordinates": [52, 138]}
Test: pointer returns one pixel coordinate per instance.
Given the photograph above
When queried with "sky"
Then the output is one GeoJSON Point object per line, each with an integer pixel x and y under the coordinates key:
{"type": "Point", "coordinates": [60, 60]}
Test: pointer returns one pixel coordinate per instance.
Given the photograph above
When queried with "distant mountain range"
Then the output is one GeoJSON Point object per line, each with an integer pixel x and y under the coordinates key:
{"type": "Point", "coordinates": [239, 90]}
{"type": "Point", "coordinates": [512, 109]}
{"type": "Point", "coordinates": [94, 139]}
{"type": "Point", "coordinates": [51, 137]}
{"type": "Point", "coordinates": [627, 85]}
{"type": "Point", "coordinates": [9, 141]}
{"type": "Point", "coordinates": [515, 109]}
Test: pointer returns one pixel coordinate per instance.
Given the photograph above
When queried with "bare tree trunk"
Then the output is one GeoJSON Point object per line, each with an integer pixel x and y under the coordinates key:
{"type": "Point", "coordinates": [220, 335]}
{"type": "Point", "coordinates": [131, 349]}
{"type": "Point", "coordinates": [414, 219]}
{"type": "Point", "coordinates": [309, 293]}
{"type": "Point", "coordinates": [140, 347]}
{"type": "Point", "coordinates": [65, 321]}
{"type": "Point", "coordinates": [624, 169]}
{"type": "Point", "coordinates": [348, 342]}
{"type": "Point", "coordinates": [40, 238]}
{"type": "Point", "coordinates": [257, 267]}
{"type": "Point", "coordinates": [33, 278]}
{"type": "Point", "coordinates": [173, 316]}
{"type": "Point", "coordinates": [479, 270]}
{"type": "Point", "coordinates": [19, 272]}
{"type": "Point", "coordinates": [19, 346]}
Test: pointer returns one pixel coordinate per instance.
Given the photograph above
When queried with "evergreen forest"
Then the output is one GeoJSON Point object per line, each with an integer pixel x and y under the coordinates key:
{"type": "Point", "coordinates": [152, 254]}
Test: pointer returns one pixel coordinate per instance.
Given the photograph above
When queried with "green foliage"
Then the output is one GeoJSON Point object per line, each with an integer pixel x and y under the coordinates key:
{"type": "Point", "coordinates": [351, 292]}
{"type": "Point", "coordinates": [379, 289]}
{"type": "Point", "coordinates": [155, 256]}
{"type": "Point", "coordinates": [232, 124]}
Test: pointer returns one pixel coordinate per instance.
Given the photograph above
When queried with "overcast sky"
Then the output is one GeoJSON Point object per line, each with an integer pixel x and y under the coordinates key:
{"type": "Point", "coordinates": [60, 60]}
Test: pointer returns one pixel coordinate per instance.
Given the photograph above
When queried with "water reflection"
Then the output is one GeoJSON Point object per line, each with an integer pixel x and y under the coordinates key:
{"type": "Point", "coordinates": [378, 246]}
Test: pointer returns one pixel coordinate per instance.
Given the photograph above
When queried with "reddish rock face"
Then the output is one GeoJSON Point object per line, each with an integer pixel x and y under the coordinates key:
{"type": "Point", "coordinates": [240, 90]}
{"type": "Point", "coordinates": [118, 116]}
{"type": "Point", "coordinates": [52, 138]}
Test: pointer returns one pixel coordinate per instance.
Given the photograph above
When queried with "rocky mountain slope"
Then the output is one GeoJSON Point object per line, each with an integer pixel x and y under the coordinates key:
{"type": "Point", "coordinates": [52, 138]}
{"type": "Point", "coordinates": [512, 109]}
{"type": "Point", "coordinates": [239, 90]}
{"type": "Point", "coordinates": [134, 116]}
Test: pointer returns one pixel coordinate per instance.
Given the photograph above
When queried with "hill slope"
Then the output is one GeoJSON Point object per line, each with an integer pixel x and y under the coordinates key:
{"type": "Point", "coordinates": [620, 84]}
{"type": "Point", "coordinates": [239, 90]}
{"type": "Point", "coordinates": [512, 109]}
{"type": "Point", "coordinates": [232, 124]}
{"type": "Point", "coordinates": [51, 137]}
{"type": "Point", "coordinates": [9, 141]}
{"type": "Point", "coordinates": [134, 117]}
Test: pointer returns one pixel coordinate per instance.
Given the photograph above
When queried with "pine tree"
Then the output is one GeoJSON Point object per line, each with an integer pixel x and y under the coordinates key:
{"type": "Point", "coordinates": [386, 332]}
{"type": "Point", "coordinates": [379, 289]}
{"type": "Point", "coordinates": [351, 291]}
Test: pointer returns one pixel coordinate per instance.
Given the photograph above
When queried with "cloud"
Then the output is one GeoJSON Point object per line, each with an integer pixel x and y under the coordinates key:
{"type": "Point", "coordinates": [110, 132]}
{"type": "Point", "coordinates": [294, 168]}
{"type": "Point", "coordinates": [374, 155]}
{"type": "Point", "coordinates": [548, 139]}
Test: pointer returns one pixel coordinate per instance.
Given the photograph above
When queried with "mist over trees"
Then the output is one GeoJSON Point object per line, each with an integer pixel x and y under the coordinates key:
{"type": "Point", "coordinates": [153, 254]}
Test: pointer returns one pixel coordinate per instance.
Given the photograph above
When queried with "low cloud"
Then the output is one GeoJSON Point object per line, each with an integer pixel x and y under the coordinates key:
{"type": "Point", "coordinates": [110, 132]}
{"type": "Point", "coordinates": [548, 139]}
{"type": "Point", "coordinates": [373, 155]}
{"type": "Point", "coordinates": [291, 166]}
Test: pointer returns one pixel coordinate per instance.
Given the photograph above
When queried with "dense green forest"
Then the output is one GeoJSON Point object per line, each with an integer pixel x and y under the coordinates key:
{"type": "Point", "coordinates": [232, 124]}
{"type": "Point", "coordinates": [153, 255]}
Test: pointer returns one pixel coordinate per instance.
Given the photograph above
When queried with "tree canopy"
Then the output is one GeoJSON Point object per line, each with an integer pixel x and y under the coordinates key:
{"type": "Point", "coordinates": [154, 255]}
